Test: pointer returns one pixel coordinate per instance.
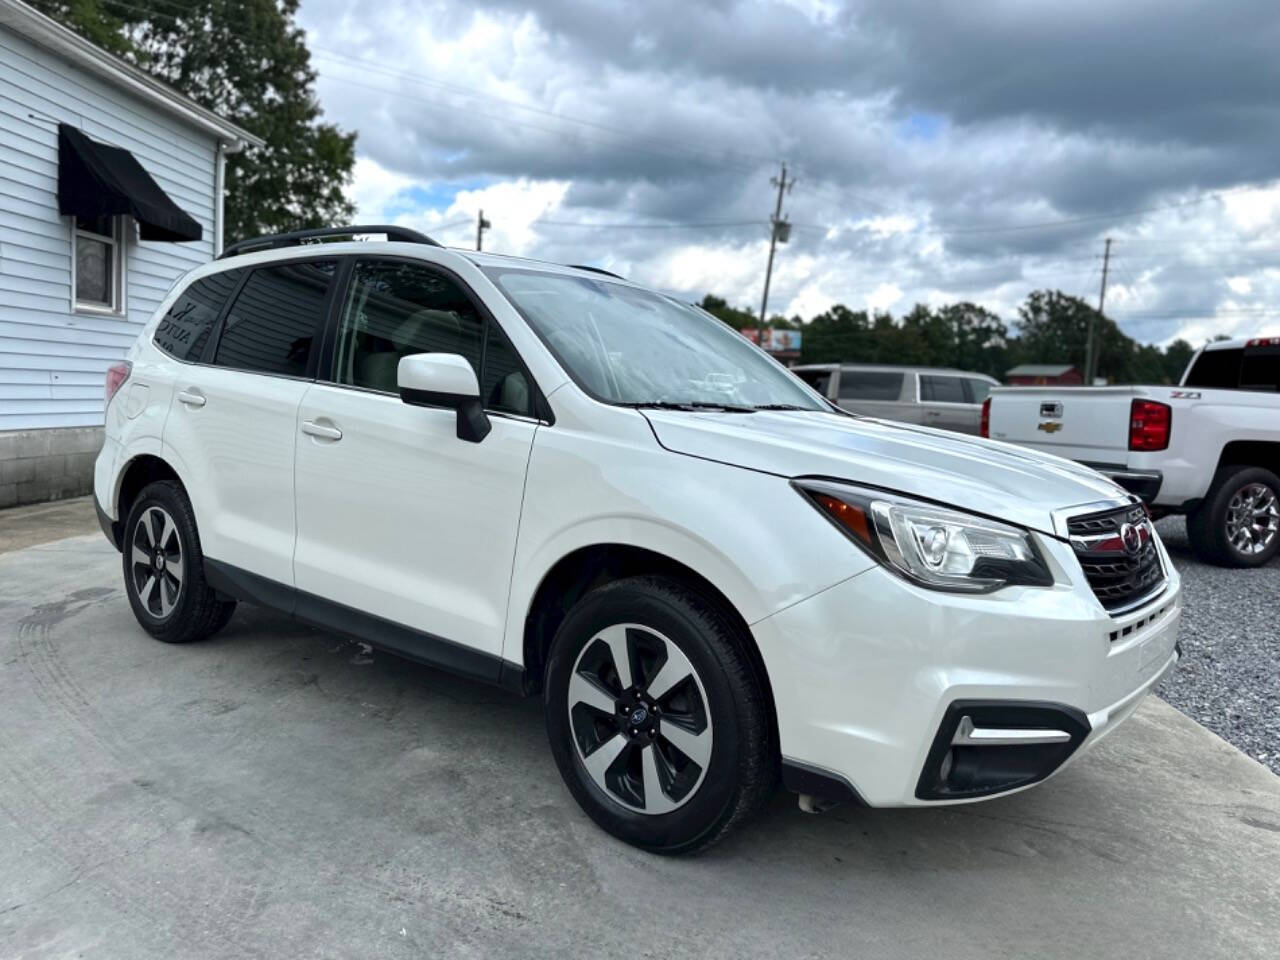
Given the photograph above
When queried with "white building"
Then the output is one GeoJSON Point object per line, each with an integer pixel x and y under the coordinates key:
{"type": "Point", "coordinates": [110, 189]}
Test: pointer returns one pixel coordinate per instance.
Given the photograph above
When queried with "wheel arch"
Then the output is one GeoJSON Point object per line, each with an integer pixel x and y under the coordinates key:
{"type": "Point", "coordinates": [1251, 453]}
{"type": "Point", "coordinates": [594, 565]}
{"type": "Point", "coordinates": [139, 471]}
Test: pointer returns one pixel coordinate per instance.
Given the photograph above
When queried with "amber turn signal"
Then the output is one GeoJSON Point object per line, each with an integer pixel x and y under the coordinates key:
{"type": "Point", "coordinates": [853, 519]}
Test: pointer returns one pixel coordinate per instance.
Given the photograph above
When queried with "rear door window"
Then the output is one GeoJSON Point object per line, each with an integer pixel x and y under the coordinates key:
{"type": "Point", "coordinates": [870, 385]}
{"type": "Point", "coordinates": [935, 389]}
{"type": "Point", "coordinates": [1216, 369]}
{"type": "Point", "coordinates": [273, 324]}
{"type": "Point", "coordinates": [185, 330]}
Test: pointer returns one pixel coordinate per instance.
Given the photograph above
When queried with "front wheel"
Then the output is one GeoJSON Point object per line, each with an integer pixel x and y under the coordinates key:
{"type": "Point", "coordinates": [164, 569]}
{"type": "Point", "coordinates": [656, 719]}
{"type": "Point", "coordinates": [1238, 523]}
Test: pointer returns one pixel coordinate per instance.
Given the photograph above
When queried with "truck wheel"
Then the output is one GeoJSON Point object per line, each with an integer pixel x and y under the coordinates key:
{"type": "Point", "coordinates": [656, 719]}
{"type": "Point", "coordinates": [1238, 523]}
{"type": "Point", "coordinates": [164, 569]}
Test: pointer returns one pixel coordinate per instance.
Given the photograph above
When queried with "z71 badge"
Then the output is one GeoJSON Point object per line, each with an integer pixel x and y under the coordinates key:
{"type": "Point", "coordinates": [1184, 394]}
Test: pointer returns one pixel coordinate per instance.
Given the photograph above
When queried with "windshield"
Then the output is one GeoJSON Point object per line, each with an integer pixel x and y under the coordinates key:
{"type": "Point", "coordinates": [624, 345]}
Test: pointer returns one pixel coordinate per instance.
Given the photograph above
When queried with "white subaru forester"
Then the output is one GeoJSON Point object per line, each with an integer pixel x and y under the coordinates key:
{"type": "Point", "coordinates": [555, 480]}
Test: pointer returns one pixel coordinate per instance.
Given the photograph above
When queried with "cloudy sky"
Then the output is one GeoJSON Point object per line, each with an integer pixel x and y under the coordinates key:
{"type": "Point", "coordinates": [942, 149]}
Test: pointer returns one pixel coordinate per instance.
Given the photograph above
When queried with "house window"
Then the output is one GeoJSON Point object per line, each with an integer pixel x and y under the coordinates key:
{"type": "Point", "coordinates": [97, 264]}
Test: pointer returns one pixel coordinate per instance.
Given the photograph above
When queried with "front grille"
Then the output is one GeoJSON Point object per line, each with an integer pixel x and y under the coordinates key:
{"type": "Point", "coordinates": [1117, 551]}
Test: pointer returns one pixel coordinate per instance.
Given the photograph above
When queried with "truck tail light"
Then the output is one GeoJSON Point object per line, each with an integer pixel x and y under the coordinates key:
{"type": "Point", "coordinates": [984, 426]}
{"type": "Point", "coordinates": [117, 374]}
{"type": "Point", "coordinates": [1149, 424]}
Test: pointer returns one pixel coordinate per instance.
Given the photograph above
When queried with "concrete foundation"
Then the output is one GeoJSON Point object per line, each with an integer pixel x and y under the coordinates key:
{"type": "Point", "coordinates": [51, 464]}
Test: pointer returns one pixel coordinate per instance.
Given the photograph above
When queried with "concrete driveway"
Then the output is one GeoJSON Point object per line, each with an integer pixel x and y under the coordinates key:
{"type": "Point", "coordinates": [277, 792]}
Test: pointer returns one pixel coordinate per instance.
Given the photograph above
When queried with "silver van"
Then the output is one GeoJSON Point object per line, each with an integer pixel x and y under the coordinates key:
{"type": "Point", "coordinates": [932, 396]}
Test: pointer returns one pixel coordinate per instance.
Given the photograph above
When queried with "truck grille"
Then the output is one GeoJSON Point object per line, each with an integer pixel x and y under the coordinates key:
{"type": "Point", "coordinates": [1117, 550]}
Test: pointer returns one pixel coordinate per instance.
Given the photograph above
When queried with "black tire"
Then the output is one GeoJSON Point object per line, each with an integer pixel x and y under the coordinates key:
{"type": "Point", "coordinates": [741, 769]}
{"type": "Point", "coordinates": [191, 610]}
{"type": "Point", "coordinates": [1208, 526]}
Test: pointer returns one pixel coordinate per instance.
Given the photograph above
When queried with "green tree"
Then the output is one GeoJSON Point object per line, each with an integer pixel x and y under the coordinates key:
{"type": "Point", "coordinates": [979, 338]}
{"type": "Point", "coordinates": [247, 61]}
{"type": "Point", "coordinates": [1054, 328]}
{"type": "Point", "coordinates": [1176, 357]}
{"type": "Point", "coordinates": [719, 307]}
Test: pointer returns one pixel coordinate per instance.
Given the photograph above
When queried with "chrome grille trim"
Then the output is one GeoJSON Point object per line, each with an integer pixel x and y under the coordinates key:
{"type": "Point", "coordinates": [1123, 576]}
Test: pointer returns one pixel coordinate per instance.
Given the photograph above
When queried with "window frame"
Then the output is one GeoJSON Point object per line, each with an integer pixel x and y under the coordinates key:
{"type": "Point", "coordinates": [118, 246]}
{"type": "Point", "coordinates": [208, 359]}
{"type": "Point", "coordinates": [324, 357]}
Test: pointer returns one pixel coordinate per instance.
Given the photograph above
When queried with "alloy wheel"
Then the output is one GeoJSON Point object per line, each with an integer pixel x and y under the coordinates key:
{"type": "Point", "coordinates": [1253, 518]}
{"type": "Point", "coordinates": [157, 562]}
{"type": "Point", "coordinates": [640, 721]}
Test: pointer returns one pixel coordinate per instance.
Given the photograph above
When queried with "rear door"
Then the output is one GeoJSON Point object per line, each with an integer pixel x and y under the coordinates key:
{"type": "Point", "coordinates": [944, 402]}
{"type": "Point", "coordinates": [873, 393]}
{"type": "Point", "coordinates": [232, 423]}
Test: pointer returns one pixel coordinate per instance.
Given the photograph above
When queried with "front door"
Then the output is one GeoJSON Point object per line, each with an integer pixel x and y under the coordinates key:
{"type": "Point", "coordinates": [398, 518]}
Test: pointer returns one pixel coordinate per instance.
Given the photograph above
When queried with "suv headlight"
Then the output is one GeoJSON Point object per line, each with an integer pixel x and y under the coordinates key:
{"type": "Point", "coordinates": [932, 546]}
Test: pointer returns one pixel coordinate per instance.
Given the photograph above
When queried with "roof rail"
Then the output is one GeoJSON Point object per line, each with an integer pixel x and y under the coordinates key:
{"type": "Point", "coordinates": [607, 273]}
{"type": "Point", "coordinates": [298, 237]}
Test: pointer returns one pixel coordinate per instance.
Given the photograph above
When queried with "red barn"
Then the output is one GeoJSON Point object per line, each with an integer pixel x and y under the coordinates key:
{"type": "Point", "coordinates": [1044, 375]}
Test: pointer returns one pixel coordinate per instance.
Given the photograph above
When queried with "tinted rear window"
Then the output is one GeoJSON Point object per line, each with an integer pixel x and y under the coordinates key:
{"type": "Point", "coordinates": [272, 326]}
{"type": "Point", "coordinates": [870, 385]}
{"type": "Point", "coordinates": [1260, 369]}
{"type": "Point", "coordinates": [185, 329]}
{"type": "Point", "coordinates": [942, 390]}
{"type": "Point", "coordinates": [1216, 369]}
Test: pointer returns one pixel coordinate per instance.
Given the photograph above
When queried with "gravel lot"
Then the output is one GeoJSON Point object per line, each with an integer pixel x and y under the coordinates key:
{"type": "Point", "coordinates": [1229, 679]}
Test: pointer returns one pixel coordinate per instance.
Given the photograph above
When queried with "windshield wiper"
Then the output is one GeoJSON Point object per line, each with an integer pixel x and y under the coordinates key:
{"type": "Point", "coordinates": [783, 406]}
{"type": "Point", "coordinates": [689, 405]}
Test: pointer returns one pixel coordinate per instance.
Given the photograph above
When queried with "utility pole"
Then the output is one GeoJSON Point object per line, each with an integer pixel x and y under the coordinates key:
{"type": "Point", "coordinates": [1090, 358]}
{"type": "Point", "coordinates": [779, 231]}
{"type": "Point", "coordinates": [481, 226]}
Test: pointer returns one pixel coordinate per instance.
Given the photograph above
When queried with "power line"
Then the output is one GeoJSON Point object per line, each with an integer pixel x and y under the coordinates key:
{"type": "Point", "coordinates": [1096, 218]}
{"type": "Point", "coordinates": [650, 226]}
{"type": "Point", "coordinates": [629, 135]}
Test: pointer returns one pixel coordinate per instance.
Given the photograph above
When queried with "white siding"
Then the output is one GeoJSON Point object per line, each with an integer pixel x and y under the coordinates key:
{"type": "Point", "coordinates": [52, 360]}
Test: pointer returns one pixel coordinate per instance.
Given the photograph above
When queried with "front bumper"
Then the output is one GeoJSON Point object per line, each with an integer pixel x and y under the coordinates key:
{"type": "Point", "coordinates": [863, 674]}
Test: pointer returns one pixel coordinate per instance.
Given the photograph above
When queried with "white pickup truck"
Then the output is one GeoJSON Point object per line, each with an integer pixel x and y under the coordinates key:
{"type": "Point", "coordinates": [1208, 448]}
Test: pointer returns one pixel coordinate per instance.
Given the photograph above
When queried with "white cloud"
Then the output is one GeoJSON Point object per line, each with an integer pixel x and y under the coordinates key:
{"type": "Point", "coordinates": [884, 296]}
{"type": "Point", "coordinates": [907, 152]}
{"type": "Point", "coordinates": [373, 187]}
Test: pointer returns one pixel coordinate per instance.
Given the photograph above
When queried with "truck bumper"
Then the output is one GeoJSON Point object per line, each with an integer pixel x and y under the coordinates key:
{"type": "Point", "coordinates": [1144, 484]}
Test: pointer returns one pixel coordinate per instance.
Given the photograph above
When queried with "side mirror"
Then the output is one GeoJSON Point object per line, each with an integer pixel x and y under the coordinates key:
{"type": "Point", "coordinates": [445, 380]}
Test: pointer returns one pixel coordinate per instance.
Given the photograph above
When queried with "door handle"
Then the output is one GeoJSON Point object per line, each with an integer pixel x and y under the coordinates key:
{"type": "Point", "coordinates": [192, 398]}
{"type": "Point", "coordinates": [933, 414]}
{"type": "Point", "coordinates": [324, 431]}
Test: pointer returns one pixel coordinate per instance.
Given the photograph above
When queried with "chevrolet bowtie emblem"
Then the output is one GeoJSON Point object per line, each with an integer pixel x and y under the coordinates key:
{"type": "Point", "coordinates": [1049, 426]}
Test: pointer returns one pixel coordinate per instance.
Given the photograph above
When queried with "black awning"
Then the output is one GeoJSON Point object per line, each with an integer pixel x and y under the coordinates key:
{"type": "Point", "coordinates": [97, 180]}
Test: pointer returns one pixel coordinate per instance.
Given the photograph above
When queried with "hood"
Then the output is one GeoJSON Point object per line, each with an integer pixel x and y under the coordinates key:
{"type": "Point", "coordinates": [1015, 484]}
